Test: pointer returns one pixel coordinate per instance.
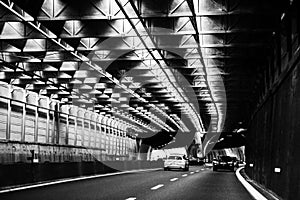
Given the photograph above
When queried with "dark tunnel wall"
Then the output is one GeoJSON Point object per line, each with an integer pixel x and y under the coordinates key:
{"type": "Point", "coordinates": [274, 131]}
{"type": "Point", "coordinates": [274, 141]}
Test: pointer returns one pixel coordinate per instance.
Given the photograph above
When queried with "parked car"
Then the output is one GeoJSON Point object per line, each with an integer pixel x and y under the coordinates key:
{"type": "Point", "coordinates": [176, 162]}
{"type": "Point", "coordinates": [224, 162]}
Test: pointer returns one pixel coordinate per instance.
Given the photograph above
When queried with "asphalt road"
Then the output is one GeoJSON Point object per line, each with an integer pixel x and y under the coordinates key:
{"type": "Point", "coordinates": [199, 183]}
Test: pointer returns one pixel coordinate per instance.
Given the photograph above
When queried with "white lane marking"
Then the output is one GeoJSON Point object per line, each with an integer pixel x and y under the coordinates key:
{"type": "Point", "coordinates": [157, 186]}
{"type": "Point", "coordinates": [74, 179]}
{"type": "Point", "coordinates": [197, 171]}
{"type": "Point", "coordinates": [192, 172]}
{"type": "Point", "coordinates": [131, 198]}
{"type": "Point", "coordinates": [173, 179]}
{"type": "Point", "coordinates": [254, 193]}
{"type": "Point", "coordinates": [184, 175]}
{"type": "Point", "coordinates": [202, 169]}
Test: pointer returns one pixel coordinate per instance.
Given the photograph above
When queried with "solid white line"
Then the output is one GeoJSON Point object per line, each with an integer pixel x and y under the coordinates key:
{"type": "Point", "coordinates": [157, 186]}
{"type": "Point", "coordinates": [131, 198]}
{"type": "Point", "coordinates": [184, 175]}
{"type": "Point", "coordinates": [254, 193]}
{"type": "Point", "coordinates": [173, 179]}
{"type": "Point", "coordinates": [192, 172]}
{"type": "Point", "coordinates": [74, 179]}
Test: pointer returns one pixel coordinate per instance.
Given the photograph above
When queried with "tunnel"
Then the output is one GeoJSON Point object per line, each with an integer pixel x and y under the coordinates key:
{"type": "Point", "coordinates": [108, 88]}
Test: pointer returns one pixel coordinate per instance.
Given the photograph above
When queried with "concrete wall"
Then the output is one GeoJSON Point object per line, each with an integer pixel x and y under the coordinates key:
{"type": "Point", "coordinates": [41, 140]}
{"type": "Point", "coordinates": [24, 173]}
{"type": "Point", "coordinates": [23, 163]}
{"type": "Point", "coordinates": [273, 140]}
{"type": "Point", "coordinates": [274, 131]}
{"type": "Point", "coordinates": [32, 120]}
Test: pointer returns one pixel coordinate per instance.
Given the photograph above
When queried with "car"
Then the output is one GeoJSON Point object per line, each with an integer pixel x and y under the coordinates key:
{"type": "Point", "coordinates": [196, 161]}
{"type": "Point", "coordinates": [223, 162]}
{"type": "Point", "coordinates": [236, 161]}
{"type": "Point", "coordinates": [176, 162]}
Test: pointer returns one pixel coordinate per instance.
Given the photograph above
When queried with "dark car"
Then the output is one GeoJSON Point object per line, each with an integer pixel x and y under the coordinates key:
{"type": "Point", "coordinates": [224, 162]}
{"type": "Point", "coordinates": [195, 161]}
{"type": "Point", "coordinates": [236, 161]}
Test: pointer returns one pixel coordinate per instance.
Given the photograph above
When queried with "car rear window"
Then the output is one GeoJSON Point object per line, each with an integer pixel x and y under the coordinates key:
{"type": "Point", "coordinates": [174, 158]}
{"type": "Point", "coordinates": [226, 158]}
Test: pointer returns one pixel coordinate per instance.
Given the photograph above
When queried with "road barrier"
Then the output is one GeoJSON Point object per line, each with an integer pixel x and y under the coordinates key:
{"type": "Point", "coordinates": [28, 173]}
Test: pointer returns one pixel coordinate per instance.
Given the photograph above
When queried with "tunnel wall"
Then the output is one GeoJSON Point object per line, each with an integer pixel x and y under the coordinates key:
{"type": "Point", "coordinates": [20, 165]}
{"type": "Point", "coordinates": [274, 131]}
{"type": "Point", "coordinates": [31, 122]}
{"type": "Point", "coordinates": [26, 173]}
{"type": "Point", "coordinates": [273, 141]}
{"type": "Point", "coordinates": [42, 140]}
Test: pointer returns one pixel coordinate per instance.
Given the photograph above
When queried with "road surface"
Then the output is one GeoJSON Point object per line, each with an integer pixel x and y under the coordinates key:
{"type": "Point", "coordinates": [199, 183]}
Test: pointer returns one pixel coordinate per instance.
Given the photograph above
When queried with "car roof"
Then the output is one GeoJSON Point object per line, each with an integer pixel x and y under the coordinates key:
{"type": "Point", "coordinates": [176, 155]}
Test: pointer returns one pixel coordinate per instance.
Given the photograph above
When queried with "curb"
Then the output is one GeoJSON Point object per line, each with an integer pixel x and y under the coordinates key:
{"type": "Point", "coordinates": [25, 187]}
{"type": "Point", "coordinates": [253, 192]}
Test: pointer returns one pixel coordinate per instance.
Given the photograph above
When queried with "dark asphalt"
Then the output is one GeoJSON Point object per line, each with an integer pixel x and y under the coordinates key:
{"type": "Point", "coordinates": [204, 185]}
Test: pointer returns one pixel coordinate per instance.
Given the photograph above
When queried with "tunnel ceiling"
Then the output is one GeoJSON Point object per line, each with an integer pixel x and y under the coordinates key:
{"type": "Point", "coordinates": [135, 57]}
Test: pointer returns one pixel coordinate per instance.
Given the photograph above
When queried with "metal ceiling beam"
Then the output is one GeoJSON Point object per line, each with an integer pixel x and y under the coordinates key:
{"type": "Point", "coordinates": [143, 41]}
{"type": "Point", "coordinates": [5, 18]}
{"type": "Point", "coordinates": [58, 42]}
{"type": "Point", "coordinates": [93, 10]}
{"type": "Point", "coordinates": [194, 23]}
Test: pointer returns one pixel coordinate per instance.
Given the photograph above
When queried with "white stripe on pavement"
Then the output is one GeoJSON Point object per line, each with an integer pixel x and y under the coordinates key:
{"type": "Point", "coordinates": [157, 186]}
{"type": "Point", "coordinates": [131, 198]}
{"type": "Point", "coordinates": [254, 193]}
{"type": "Point", "coordinates": [192, 172]}
{"type": "Point", "coordinates": [197, 171]}
{"type": "Point", "coordinates": [74, 179]}
{"type": "Point", "coordinates": [173, 179]}
{"type": "Point", "coordinates": [184, 175]}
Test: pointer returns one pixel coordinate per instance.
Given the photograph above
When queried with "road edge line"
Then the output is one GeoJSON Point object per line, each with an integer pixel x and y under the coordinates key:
{"type": "Point", "coordinates": [73, 180]}
{"type": "Point", "coordinates": [252, 191]}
